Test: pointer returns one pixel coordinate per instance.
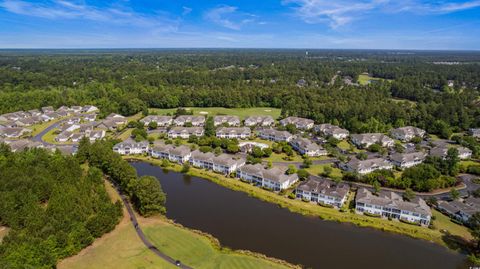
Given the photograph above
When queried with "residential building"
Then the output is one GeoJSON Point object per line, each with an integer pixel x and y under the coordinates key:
{"type": "Point", "coordinates": [63, 136]}
{"type": "Point", "coordinates": [15, 132]}
{"type": "Point", "coordinates": [460, 210]}
{"type": "Point", "coordinates": [90, 117]}
{"type": "Point", "coordinates": [366, 140]}
{"type": "Point", "coordinates": [162, 121]}
{"type": "Point", "coordinates": [89, 109]}
{"type": "Point", "coordinates": [406, 160]}
{"type": "Point", "coordinates": [306, 147]}
{"type": "Point", "coordinates": [76, 137]}
{"type": "Point", "coordinates": [47, 109]}
{"type": "Point", "coordinates": [259, 121]}
{"type": "Point", "coordinates": [223, 163]}
{"type": "Point", "coordinates": [96, 135]}
{"type": "Point", "coordinates": [69, 127]}
{"type": "Point", "coordinates": [475, 132]}
{"type": "Point", "coordinates": [366, 166]}
{"type": "Point", "coordinates": [185, 132]}
{"type": "Point", "coordinates": [234, 132]}
{"type": "Point", "coordinates": [406, 133]}
{"type": "Point", "coordinates": [130, 146]}
{"type": "Point", "coordinates": [442, 151]}
{"type": "Point", "coordinates": [22, 144]}
{"type": "Point", "coordinates": [275, 178]}
{"type": "Point", "coordinates": [74, 120]}
{"type": "Point", "coordinates": [275, 135]}
{"type": "Point", "coordinates": [330, 130]}
{"type": "Point", "coordinates": [115, 116]}
{"type": "Point", "coordinates": [323, 191]}
{"type": "Point", "coordinates": [34, 112]}
{"type": "Point", "coordinates": [76, 109]}
{"type": "Point", "coordinates": [300, 123]}
{"type": "Point", "coordinates": [180, 154]}
{"type": "Point", "coordinates": [194, 120]}
{"type": "Point", "coordinates": [228, 120]}
{"type": "Point", "coordinates": [391, 205]}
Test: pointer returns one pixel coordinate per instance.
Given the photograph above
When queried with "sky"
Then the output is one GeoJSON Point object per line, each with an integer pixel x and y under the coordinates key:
{"type": "Point", "coordinates": [336, 24]}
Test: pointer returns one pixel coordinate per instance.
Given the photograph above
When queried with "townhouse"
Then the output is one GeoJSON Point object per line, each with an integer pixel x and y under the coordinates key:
{"type": "Point", "coordinates": [14, 132]}
{"type": "Point", "coordinates": [22, 144]}
{"type": "Point", "coordinates": [275, 135]}
{"type": "Point", "coordinates": [323, 191]}
{"type": "Point", "coordinates": [63, 136]}
{"type": "Point", "coordinates": [442, 151]}
{"type": "Point", "coordinates": [89, 109]}
{"type": "Point", "coordinates": [300, 123]}
{"type": "Point", "coordinates": [406, 160]}
{"type": "Point", "coordinates": [130, 146]}
{"type": "Point", "coordinates": [330, 130]}
{"type": "Point", "coordinates": [185, 132]}
{"type": "Point", "coordinates": [391, 205]}
{"type": "Point", "coordinates": [227, 120]}
{"type": "Point", "coordinates": [162, 121]}
{"type": "Point", "coordinates": [306, 147]}
{"type": "Point", "coordinates": [366, 166]}
{"type": "Point", "coordinates": [263, 121]}
{"type": "Point", "coordinates": [368, 139]}
{"type": "Point", "coordinates": [274, 178]}
{"type": "Point", "coordinates": [234, 132]}
{"type": "Point", "coordinates": [180, 154]}
{"type": "Point", "coordinates": [460, 210]}
{"type": "Point", "coordinates": [193, 120]}
{"type": "Point", "coordinates": [223, 163]}
{"type": "Point", "coordinates": [406, 133]}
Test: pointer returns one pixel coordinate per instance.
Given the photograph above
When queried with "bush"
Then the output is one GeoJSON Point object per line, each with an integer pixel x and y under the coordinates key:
{"type": "Point", "coordinates": [292, 195]}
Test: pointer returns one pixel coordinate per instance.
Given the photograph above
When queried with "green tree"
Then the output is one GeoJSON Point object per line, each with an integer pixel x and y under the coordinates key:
{"type": "Point", "coordinates": [408, 195]}
{"type": "Point", "coordinates": [454, 193]}
{"type": "Point", "coordinates": [149, 197]}
{"type": "Point", "coordinates": [209, 127]}
{"type": "Point", "coordinates": [291, 169]}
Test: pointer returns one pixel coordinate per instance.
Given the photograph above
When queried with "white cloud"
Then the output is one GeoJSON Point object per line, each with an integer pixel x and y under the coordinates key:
{"type": "Point", "coordinates": [68, 10]}
{"type": "Point", "coordinates": [186, 10]}
{"type": "Point", "coordinates": [229, 17]}
{"type": "Point", "coordinates": [341, 12]}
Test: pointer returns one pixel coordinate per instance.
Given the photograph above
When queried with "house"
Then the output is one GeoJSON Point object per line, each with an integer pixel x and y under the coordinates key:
{"type": "Point", "coordinates": [89, 126]}
{"type": "Point", "coordinates": [96, 135]}
{"type": "Point", "coordinates": [275, 135]}
{"type": "Point", "coordinates": [115, 116]}
{"type": "Point", "coordinates": [180, 154]}
{"type": "Point", "coordinates": [366, 166]}
{"type": "Point", "coordinates": [50, 116]}
{"type": "Point", "coordinates": [63, 109]}
{"type": "Point", "coordinates": [274, 178]}
{"type": "Point", "coordinates": [306, 147]}
{"type": "Point", "coordinates": [330, 130]}
{"type": "Point", "coordinates": [111, 124]}
{"type": "Point", "coordinates": [76, 109]}
{"type": "Point", "coordinates": [64, 149]}
{"type": "Point", "coordinates": [442, 151]}
{"type": "Point", "coordinates": [406, 160]}
{"type": "Point", "coordinates": [76, 137]}
{"type": "Point", "coordinates": [475, 132]}
{"type": "Point", "coordinates": [300, 123]}
{"type": "Point", "coordinates": [391, 205]}
{"type": "Point", "coordinates": [47, 109]}
{"type": "Point", "coordinates": [194, 120]}
{"type": "Point", "coordinates": [406, 133]}
{"type": "Point", "coordinates": [15, 132]}
{"type": "Point", "coordinates": [185, 132]}
{"type": "Point", "coordinates": [130, 146]}
{"type": "Point", "coordinates": [223, 163]}
{"type": "Point", "coordinates": [323, 191]}
{"type": "Point", "coordinates": [89, 109]}
{"type": "Point", "coordinates": [259, 121]}
{"type": "Point", "coordinates": [69, 127]}
{"type": "Point", "coordinates": [90, 117]}
{"type": "Point", "coordinates": [459, 210]}
{"type": "Point", "coordinates": [248, 146]}
{"type": "Point", "coordinates": [228, 120]}
{"type": "Point", "coordinates": [25, 122]}
{"type": "Point", "coordinates": [73, 120]}
{"type": "Point", "coordinates": [20, 145]}
{"type": "Point", "coordinates": [63, 136]}
{"type": "Point", "coordinates": [162, 121]}
{"type": "Point", "coordinates": [234, 132]}
{"type": "Point", "coordinates": [34, 112]}
{"type": "Point", "coordinates": [366, 140]}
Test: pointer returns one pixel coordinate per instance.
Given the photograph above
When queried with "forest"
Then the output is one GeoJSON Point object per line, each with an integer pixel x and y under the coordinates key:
{"type": "Point", "coordinates": [438, 91]}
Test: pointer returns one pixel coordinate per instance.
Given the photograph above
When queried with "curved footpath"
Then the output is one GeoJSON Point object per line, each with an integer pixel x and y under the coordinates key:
{"type": "Point", "coordinates": [140, 233]}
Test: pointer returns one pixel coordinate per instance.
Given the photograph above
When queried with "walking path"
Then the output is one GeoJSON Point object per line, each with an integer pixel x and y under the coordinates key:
{"type": "Point", "coordinates": [140, 233]}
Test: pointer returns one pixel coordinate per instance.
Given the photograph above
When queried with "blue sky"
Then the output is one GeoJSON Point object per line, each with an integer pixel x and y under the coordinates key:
{"type": "Point", "coordinates": [363, 24]}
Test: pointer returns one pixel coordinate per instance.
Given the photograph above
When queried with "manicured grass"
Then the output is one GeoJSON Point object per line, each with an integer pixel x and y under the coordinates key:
{"type": "Point", "coordinates": [364, 79]}
{"type": "Point", "coordinates": [317, 169]}
{"type": "Point", "coordinates": [280, 158]}
{"type": "Point", "coordinates": [443, 222]}
{"type": "Point", "coordinates": [38, 128]}
{"type": "Point", "coordinates": [125, 134]}
{"type": "Point", "coordinates": [466, 164]}
{"type": "Point", "coordinates": [345, 145]}
{"type": "Point", "coordinates": [49, 137]}
{"type": "Point", "coordinates": [122, 248]}
{"type": "Point", "coordinates": [300, 207]}
{"type": "Point", "coordinates": [199, 251]}
{"type": "Point", "coordinates": [212, 111]}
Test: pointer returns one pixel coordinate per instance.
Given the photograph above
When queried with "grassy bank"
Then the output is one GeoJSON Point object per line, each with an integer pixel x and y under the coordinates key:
{"type": "Point", "coordinates": [212, 111]}
{"type": "Point", "coordinates": [123, 249]}
{"type": "Point", "coordinates": [297, 206]}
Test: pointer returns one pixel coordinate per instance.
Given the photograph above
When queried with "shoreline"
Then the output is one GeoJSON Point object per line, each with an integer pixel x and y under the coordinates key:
{"type": "Point", "coordinates": [313, 210]}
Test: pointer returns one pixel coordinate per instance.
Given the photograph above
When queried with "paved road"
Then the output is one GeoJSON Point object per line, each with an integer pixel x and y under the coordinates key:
{"type": "Point", "coordinates": [140, 233]}
{"type": "Point", "coordinates": [299, 164]}
{"type": "Point", "coordinates": [39, 136]}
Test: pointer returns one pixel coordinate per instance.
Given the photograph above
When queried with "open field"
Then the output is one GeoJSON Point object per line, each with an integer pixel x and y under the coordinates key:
{"type": "Point", "coordinates": [275, 157]}
{"type": "Point", "coordinates": [212, 111]}
{"type": "Point", "coordinates": [122, 249]}
{"type": "Point", "coordinates": [433, 235]}
{"type": "Point", "coordinates": [365, 79]}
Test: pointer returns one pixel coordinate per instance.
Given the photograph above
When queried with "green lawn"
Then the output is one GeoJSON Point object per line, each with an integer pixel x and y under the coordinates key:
{"type": "Point", "coordinates": [125, 134]}
{"type": "Point", "coordinates": [212, 111]}
{"type": "Point", "coordinates": [198, 251]}
{"type": "Point", "coordinates": [443, 222]}
{"type": "Point", "coordinates": [318, 170]}
{"type": "Point", "coordinates": [38, 128]}
{"type": "Point", "coordinates": [275, 157]}
{"type": "Point", "coordinates": [364, 79]}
